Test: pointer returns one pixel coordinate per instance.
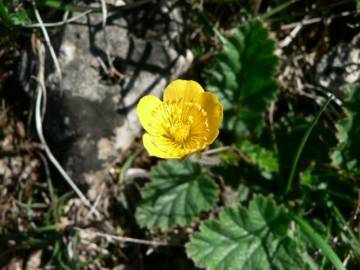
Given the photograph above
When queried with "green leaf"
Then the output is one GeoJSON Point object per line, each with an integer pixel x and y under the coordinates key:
{"type": "Point", "coordinates": [321, 186]}
{"type": "Point", "coordinates": [289, 131]}
{"type": "Point", "coordinates": [302, 144]}
{"type": "Point", "coordinates": [4, 15]}
{"type": "Point", "coordinates": [347, 153]}
{"type": "Point", "coordinates": [20, 18]}
{"type": "Point", "coordinates": [319, 242]}
{"type": "Point", "coordinates": [264, 159]}
{"type": "Point", "coordinates": [178, 193]}
{"type": "Point", "coordinates": [13, 14]}
{"type": "Point", "coordinates": [242, 76]}
{"type": "Point", "coordinates": [253, 238]}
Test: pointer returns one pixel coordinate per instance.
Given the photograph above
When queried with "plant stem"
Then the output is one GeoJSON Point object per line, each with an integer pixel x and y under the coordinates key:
{"type": "Point", "coordinates": [278, 9]}
{"type": "Point", "coordinates": [349, 236]}
{"type": "Point", "coordinates": [302, 144]}
{"type": "Point", "coordinates": [318, 241]}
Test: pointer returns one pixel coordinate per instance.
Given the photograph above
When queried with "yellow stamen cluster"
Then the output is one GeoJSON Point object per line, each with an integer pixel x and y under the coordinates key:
{"type": "Point", "coordinates": [187, 121]}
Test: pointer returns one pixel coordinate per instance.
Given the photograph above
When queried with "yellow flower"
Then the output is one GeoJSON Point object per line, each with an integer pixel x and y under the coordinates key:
{"type": "Point", "coordinates": [185, 122]}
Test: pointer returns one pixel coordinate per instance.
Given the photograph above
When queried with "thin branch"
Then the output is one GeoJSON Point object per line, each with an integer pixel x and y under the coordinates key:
{"type": "Point", "coordinates": [104, 12]}
{"type": "Point", "coordinates": [286, 41]}
{"type": "Point", "coordinates": [48, 43]}
{"type": "Point", "coordinates": [128, 239]}
{"type": "Point", "coordinates": [61, 23]}
{"type": "Point", "coordinates": [217, 150]}
{"type": "Point", "coordinates": [306, 21]}
{"type": "Point", "coordinates": [95, 205]}
{"type": "Point", "coordinates": [47, 175]}
{"type": "Point", "coordinates": [126, 7]}
{"type": "Point", "coordinates": [228, 148]}
{"type": "Point", "coordinates": [66, 15]}
{"type": "Point", "coordinates": [107, 49]}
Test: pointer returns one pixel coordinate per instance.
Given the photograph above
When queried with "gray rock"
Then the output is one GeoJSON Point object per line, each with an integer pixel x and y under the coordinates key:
{"type": "Point", "coordinates": [91, 118]}
{"type": "Point", "coordinates": [339, 67]}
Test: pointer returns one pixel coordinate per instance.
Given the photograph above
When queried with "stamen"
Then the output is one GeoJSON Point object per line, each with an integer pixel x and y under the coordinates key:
{"type": "Point", "coordinates": [180, 120]}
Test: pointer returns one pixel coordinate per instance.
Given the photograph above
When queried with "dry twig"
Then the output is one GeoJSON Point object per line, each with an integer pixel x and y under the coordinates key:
{"type": "Point", "coordinates": [123, 239]}
{"type": "Point", "coordinates": [61, 23]}
{"type": "Point", "coordinates": [48, 43]}
{"type": "Point", "coordinates": [308, 21]}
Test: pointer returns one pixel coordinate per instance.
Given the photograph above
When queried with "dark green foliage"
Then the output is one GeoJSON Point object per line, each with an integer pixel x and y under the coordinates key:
{"type": "Point", "coordinates": [13, 13]}
{"type": "Point", "coordinates": [242, 75]}
{"type": "Point", "coordinates": [178, 193]}
{"type": "Point", "coordinates": [253, 238]}
{"type": "Point", "coordinates": [347, 153]}
{"type": "Point", "coordinates": [264, 159]}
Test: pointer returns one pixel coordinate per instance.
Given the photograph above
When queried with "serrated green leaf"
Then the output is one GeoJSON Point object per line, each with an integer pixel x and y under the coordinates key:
{"type": "Point", "coordinates": [178, 193]}
{"type": "Point", "coordinates": [253, 238]}
{"type": "Point", "coordinates": [242, 75]}
{"type": "Point", "coordinates": [264, 159]}
{"type": "Point", "coordinates": [347, 153]}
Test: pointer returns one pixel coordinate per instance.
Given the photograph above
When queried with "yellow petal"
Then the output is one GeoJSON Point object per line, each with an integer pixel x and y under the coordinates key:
{"type": "Point", "coordinates": [183, 89]}
{"type": "Point", "coordinates": [160, 147]}
{"type": "Point", "coordinates": [211, 104]}
{"type": "Point", "coordinates": [212, 136]}
{"type": "Point", "coordinates": [150, 118]}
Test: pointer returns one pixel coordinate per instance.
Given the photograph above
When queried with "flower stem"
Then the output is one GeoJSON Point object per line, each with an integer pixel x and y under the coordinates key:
{"type": "Point", "coordinates": [302, 144]}
{"type": "Point", "coordinates": [318, 241]}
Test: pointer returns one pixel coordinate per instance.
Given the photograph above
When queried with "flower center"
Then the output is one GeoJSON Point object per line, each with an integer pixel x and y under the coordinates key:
{"type": "Point", "coordinates": [179, 119]}
{"type": "Point", "coordinates": [180, 132]}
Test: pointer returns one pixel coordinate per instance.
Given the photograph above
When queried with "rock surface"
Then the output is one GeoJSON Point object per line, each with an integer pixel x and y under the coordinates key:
{"type": "Point", "coordinates": [316, 74]}
{"type": "Point", "coordinates": [91, 117]}
{"type": "Point", "coordinates": [339, 67]}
